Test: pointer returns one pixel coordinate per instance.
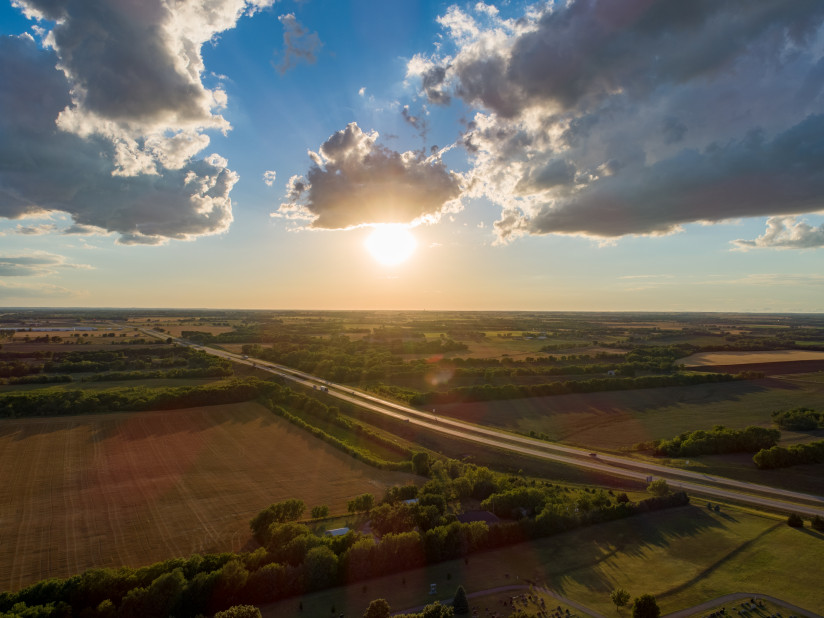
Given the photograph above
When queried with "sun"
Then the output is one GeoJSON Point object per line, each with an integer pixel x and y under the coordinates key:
{"type": "Point", "coordinates": [391, 244]}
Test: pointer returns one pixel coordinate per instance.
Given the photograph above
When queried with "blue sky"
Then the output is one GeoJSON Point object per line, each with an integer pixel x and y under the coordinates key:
{"type": "Point", "coordinates": [638, 155]}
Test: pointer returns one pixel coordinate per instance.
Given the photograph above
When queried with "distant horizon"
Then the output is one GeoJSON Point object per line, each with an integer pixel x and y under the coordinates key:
{"type": "Point", "coordinates": [281, 310]}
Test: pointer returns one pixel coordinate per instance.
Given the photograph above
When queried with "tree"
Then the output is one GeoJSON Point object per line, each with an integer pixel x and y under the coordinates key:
{"type": "Point", "coordinates": [320, 567]}
{"type": "Point", "coordinates": [817, 523]}
{"type": "Point", "coordinates": [379, 608]}
{"type": "Point", "coordinates": [420, 463]}
{"type": "Point", "coordinates": [795, 521]}
{"type": "Point", "coordinates": [364, 502]}
{"type": "Point", "coordinates": [460, 603]}
{"type": "Point", "coordinates": [280, 512]}
{"type": "Point", "coordinates": [239, 611]}
{"type": "Point", "coordinates": [320, 511]}
{"type": "Point", "coordinates": [619, 597]}
{"type": "Point", "coordinates": [658, 488]}
{"type": "Point", "coordinates": [645, 606]}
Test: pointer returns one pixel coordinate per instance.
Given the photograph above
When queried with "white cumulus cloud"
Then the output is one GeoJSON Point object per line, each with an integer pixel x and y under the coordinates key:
{"type": "Point", "coordinates": [785, 233]}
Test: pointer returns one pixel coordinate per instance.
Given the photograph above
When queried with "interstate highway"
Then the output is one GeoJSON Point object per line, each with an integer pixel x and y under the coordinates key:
{"type": "Point", "coordinates": [626, 467]}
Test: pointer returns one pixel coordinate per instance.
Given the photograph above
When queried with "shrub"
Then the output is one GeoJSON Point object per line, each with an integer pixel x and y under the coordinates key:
{"type": "Point", "coordinates": [645, 606]}
{"type": "Point", "coordinates": [460, 603]}
{"type": "Point", "coordinates": [795, 521]}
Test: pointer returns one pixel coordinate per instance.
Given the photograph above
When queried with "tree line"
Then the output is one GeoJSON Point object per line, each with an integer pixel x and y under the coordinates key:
{"type": "Point", "coordinates": [490, 392]}
{"type": "Point", "coordinates": [784, 457]}
{"type": "Point", "coordinates": [717, 441]}
{"type": "Point", "coordinates": [70, 402]}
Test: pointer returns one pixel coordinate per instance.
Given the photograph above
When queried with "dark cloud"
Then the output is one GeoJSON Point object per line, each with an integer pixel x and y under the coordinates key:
{"type": "Point", "coordinates": [432, 82]}
{"type": "Point", "coordinates": [554, 174]}
{"type": "Point", "coordinates": [786, 233]}
{"type": "Point", "coordinates": [354, 181]}
{"type": "Point", "coordinates": [583, 52]}
{"type": "Point", "coordinates": [604, 118]}
{"type": "Point", "coordinates": [121, 60]}
{"type": "Point", "coordinates": [674, 130]}
{"type": "Point", "coordinates": [750, 177]}
{"type": "Point", "coordinates": [298, 43]}
{"type": "Point", "coordinates": [45, 169]}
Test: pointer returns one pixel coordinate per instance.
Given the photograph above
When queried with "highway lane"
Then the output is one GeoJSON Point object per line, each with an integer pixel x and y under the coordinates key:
{"type": "Point", "coordinates": [705, 484]}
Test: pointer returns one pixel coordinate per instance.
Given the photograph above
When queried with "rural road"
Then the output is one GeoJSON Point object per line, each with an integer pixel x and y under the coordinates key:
{"type": "Point", "coordinates": [684, 613]}
{"type": "Point", "coordinates": [709, 485]}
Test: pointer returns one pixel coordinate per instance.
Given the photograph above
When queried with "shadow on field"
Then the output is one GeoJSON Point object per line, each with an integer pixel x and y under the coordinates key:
{"type": "Point", "coordinates": [718, 563]}
{"type": "Point", "coordinates": [634, 537]}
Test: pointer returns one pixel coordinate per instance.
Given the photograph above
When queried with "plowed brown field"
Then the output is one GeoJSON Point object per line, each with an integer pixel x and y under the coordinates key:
{"type": "Point", "coordinates": [135, 488]}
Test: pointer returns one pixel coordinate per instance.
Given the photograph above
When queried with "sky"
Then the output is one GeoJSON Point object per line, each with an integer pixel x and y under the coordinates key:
{"type": "Point", "coordinates": [592, 155]}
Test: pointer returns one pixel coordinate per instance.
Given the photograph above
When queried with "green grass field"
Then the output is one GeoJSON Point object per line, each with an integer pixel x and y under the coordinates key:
{"type": "Point", "coordinates": [684, 557]}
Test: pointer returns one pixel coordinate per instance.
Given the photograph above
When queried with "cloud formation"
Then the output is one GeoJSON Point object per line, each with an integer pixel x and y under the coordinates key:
{"type": "Point", "coordinates": [298, 43]}
{"type": "Point", "coordinates": [109, 136]}
{"type": "Point", "coordinates": [134, 71]}
{"type": "Point", "coordinates": [36, 264]}
{"type": "Point", "coordinates": [32, 230]}
{"type": "Point", "coordinates": [607, 119]}
{"type": "Point", "coordinates": [785, 233]}
{"type": "Point", "coordinates": [13, 292]}
{"type": "Point", "coordinates": [354, 181]}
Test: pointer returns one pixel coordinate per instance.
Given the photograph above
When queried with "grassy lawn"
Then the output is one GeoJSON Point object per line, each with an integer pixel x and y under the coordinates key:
{"type": "Point", "coordinates": [684, 557]}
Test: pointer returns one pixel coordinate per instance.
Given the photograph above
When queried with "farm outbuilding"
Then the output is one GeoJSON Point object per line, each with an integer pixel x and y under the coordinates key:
{"type": "Point", "coordinates": [336, 532]}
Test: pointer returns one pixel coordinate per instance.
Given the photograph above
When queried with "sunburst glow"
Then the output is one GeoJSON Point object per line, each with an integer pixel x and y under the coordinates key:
{"type": "Point", "coordinates": [391, 244]}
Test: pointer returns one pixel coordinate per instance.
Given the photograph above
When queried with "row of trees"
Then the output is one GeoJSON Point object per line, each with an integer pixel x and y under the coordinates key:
{"type": "Point", "coordinates": [357, 452]}
{"type": "Point", "coordinates": [719, 440]}
{"type": "Point", "coordinates": [488, 392]}
{"type": "Point", "coordinates": [784, 457]}
{"type": "Point", "coordinates": [59, 403]}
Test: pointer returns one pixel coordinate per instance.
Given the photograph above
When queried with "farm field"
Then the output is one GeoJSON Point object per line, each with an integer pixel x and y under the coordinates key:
{"type": "Point", "coordinates": [134, 488]}
{"type": "Point", "coordinates": [617, 420]}
{"type": "Point", "coordinates": [748, 358]}
{"type": "Point", "coordinates": [698, 555]}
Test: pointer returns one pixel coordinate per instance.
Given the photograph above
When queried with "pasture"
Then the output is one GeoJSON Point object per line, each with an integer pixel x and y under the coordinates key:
{"type": "Point", "coordinates": [135, 488]}
{"type": "Point", "coordinates": [683, 556]}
